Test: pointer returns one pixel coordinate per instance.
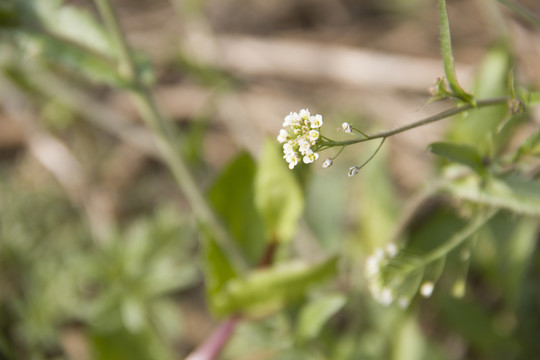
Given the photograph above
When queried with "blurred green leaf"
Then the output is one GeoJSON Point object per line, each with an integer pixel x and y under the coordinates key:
{"type": "Point", "coordinates": [531, 146]}
{"type": "Point", "coordinates": [232, 195]}
{"type": "Point", "coordinates": [475, 323]}
{"type": "Point", "coordinates": [316, 313]}
{"type": "Point", "coordinates": [513, 193]}
{"type": "Point", "coordinates": [530, 98]}
{"type": "Point", "coordinates": [504, 251]}
{"type": "Point", "coordinates": [479, 127]}
{"type": "Point", "coordinates": [278, 195]}
{"type": "Point", "coordinates": [218, 270]}
{"type": "Point", "coordinates": [133, 314]}
{"type": "Point", "coordinates": [462, 154]}
{"type": "Point", "coordinates": [121, 344]}
{"type": "Point", "coordinates": [268, 290]}
{"type": "Point", "coordinates": [409, 342]}
{"type": "Point", "coordinates": [47, 28]}
{"type": "Point", "coordinates": [379, 205]}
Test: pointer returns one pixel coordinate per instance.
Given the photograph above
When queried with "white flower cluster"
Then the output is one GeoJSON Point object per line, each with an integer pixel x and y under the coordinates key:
{"type": "Point", "coordinates": [381, 293]}
{"type": "Point", "coordinates": [399, 288]}
{"type": "Point", "coordinates": [300, 134]}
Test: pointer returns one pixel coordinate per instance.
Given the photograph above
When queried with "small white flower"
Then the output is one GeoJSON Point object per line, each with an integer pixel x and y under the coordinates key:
{"type": "Point", "coordinates": [310, 157]}
{"type": "Point", "coordinates": [288, 148]}
{"type": "Point", "coordinates": [386, 297]}
{"type": "Point", "coordinates": [304, 114]}
{"type": "Point", "coordinates": [287, 120]}
{"type": "Point", "coordinates": [313, 136]}
{"type": "Point", "coordinates": [353, 171]}
{"type": "Point", "coordinates": [292, 159]}
{"type": "Point", "coordinates": [403, 302]}
{"type": "Point", "coordinates": [304, 146]}
{"type": "Point", "coordinates": [427, 289]}
{"type": "Point", "coordinates": [346, 127]}
{"type": "Point", "coordinates": [316, 121]}
{"type": "Point", "coordinates": [283, 136]}
{"type": "Point", "coordinates": [291, 119]}
{"type": "Point", "coordinates": [327, 163]}
{"type": "Point", "coordinates": [391, 250]}
{"type": "Point", "coordinates": [372, 266]}
{"type": "Point", "coordinates": [378, 254]}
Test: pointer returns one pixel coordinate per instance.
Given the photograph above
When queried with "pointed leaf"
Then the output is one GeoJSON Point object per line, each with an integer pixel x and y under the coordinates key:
{"type": "Point", "coordinates": [448, 57]}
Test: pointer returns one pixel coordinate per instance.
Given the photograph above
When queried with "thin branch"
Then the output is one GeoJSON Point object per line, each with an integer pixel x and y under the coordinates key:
{"type": "Point", "coordinates": [428, 120]}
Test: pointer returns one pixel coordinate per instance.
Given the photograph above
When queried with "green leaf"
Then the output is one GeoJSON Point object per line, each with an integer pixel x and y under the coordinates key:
{"type": "Point", "coordinates": [122, 344]}
{"type": "Point", "coordinates": [267, 290]}
{"type": "Point", "coordinates": [233, 197]}
{"type": "Point", "coordinates": [531, 146]}
{"type": "Point", "coordinates": [448, 57]}
{"type": "Point", "coordinates": [481, 128]}
{"type": "Point", "coordinates": [315, 314]}
{"type": "Point", "coordinates": [505, 250]}
{"type": "Point", "coordinates": [462, 154]}
{"type": "Point", "coordinates": [514, 193]}
{"type": "Point", "coordinates": [409, 343]}
{"type": "Point", "coordinates": [278, 195]}
{"type": "Point", "coordinates": [529, 98]}
{"type": "Point", "coordinates": [475, 324]}
{"type": "Point", "coordinates": [218, 270]}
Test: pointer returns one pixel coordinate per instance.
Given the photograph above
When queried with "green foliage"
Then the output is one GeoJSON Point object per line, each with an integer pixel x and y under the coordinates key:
{"type": "Point", "coordinates": [315, 314]}
{"type": "Point", "coordinates": [265, 291]}
{"type": "Point", "coordinates": [481, 128]}
{"type": "Point", "coordinates": [448, 57]}
{"type": "Point", "coordinates": [461, 154]}
{"type": "Point", "coordinates": [513, 193]}
{"type": "Point", "coordinates": [233, 198]}
{"type": "Point", "coordinates": [125, 293]}
{"type": "Point", "coordinates": [278, 196]}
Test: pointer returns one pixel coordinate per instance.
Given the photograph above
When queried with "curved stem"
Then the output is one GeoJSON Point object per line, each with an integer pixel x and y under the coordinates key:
{"type": "Point", "coordinates": [372, 155]}
{"type": "Point", "coordinates": [164, 137]}
{"type": "Point", "coordinates": [425, 121]}
{"type": "Point", "coordinates": [459, 237]}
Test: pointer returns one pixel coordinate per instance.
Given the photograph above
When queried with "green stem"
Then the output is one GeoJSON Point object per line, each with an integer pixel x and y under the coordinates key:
{"type": "Point", "coordinates": [164, 138]}
{"type": "Point", "coordinates": [372, 155]}
{"type": "Point", "coordinates": [458, 238]}
{"type": "Point", "coordinates": [127, 64]}
{"type": "Point", "coordinates": [428, 120]}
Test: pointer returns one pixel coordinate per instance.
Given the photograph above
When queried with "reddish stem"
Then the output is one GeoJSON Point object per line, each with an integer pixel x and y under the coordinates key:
{"type": "Point", "coordinates": [213, 345]}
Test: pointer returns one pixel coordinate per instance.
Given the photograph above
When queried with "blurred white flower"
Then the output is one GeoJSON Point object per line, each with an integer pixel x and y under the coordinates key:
{"type": "Point", "coordinates": [346, 127]}
{"type": "Point", "coordinates": [327, 163]}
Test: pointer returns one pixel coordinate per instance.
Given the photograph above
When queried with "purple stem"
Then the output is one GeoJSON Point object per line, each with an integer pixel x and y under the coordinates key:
{"type": "Point", "coordinates": [213, 345]}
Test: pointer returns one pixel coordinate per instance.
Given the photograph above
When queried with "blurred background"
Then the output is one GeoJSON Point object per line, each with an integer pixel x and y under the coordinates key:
{"type": "Point", "coordinates": [99, 251]}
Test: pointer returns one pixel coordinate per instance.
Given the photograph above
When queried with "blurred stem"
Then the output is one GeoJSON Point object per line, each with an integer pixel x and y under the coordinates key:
{"type": "Point", "coordinates": [210, 349]}
{"type": "Point", "coordinates": [522, 11]}
{"type": "Point", "coordinates": [127, 65]}
{"type": "Point", "coordinates": [164, 138]}
{"type": "Point", "coordinates": [430, 119]}
{"type": "Point", "coordinates": [458, 238]}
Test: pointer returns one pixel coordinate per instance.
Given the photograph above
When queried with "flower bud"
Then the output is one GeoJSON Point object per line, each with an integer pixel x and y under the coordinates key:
{"type": "Point", "coordinates": [353, 171]}
{"type": "Point", "coordinates": [327, 163]}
